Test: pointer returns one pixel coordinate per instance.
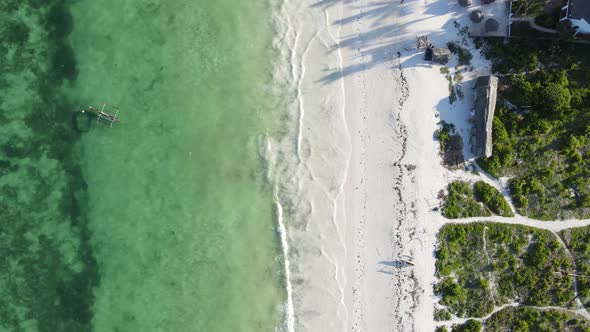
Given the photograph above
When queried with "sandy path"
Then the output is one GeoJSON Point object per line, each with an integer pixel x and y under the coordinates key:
{"type": "Point", "coordinates": [554, 226]}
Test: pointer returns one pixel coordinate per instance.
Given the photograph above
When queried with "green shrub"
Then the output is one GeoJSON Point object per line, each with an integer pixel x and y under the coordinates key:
{"type": "Point", "coordinates": [543, 141]}
{"type": "Point", "coordinates": [524, 91]}
{"type": "Point", "coordinates": [492, 198]}
{"type": "Point", "coordinates": [521, 261]}
{"type": "Point", "coordinates": [442, 314]}
{"type": "Point", "coordinates": [469, 326]}
{"type": "Point", "coordinates": [554, 99]}
{"type": "Point", "coordinates": [464, 55]}
{"type": "Point", "coordinates": [460, 203]}
{"type": "Point", "coordinates": [503, 154]}
{"type": "Point", "coordinates": [578, 240]}
{"type": "Point", "coordinates": [531, 319]}
{"type": "Point", "coordinates": [444, 134]}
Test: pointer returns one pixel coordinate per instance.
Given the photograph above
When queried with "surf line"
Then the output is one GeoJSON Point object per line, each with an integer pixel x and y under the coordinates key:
{"type": "Point", "coordinates": [290, 314]}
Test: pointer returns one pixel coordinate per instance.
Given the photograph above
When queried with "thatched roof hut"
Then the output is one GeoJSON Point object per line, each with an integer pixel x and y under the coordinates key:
{"type": "Point", "coordinates": [485, 105]}
{"type": "Point", "coordinates": [492, 25]}
{"type": "Point", "coordinates": [476, 16]}
{"type": "Point", "coordinates": [453, 154]}
{"type": "Point", "coordinates": [465, 3]}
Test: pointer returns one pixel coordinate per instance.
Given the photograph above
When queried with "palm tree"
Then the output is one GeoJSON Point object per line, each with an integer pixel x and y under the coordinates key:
{"type": "Point", "coordinates": [529, 7]}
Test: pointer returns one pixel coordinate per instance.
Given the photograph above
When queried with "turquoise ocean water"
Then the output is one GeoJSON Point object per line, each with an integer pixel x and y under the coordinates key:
{"type": "Point", "coordinates": [165, 222]}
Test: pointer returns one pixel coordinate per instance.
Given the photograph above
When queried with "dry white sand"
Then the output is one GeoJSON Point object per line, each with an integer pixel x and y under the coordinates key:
{"type": "Point", "coordinates": [359, 171]}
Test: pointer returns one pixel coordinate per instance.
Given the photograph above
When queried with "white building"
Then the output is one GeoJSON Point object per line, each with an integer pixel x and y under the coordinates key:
{"type": "Point", "coordinates": [577, 12]}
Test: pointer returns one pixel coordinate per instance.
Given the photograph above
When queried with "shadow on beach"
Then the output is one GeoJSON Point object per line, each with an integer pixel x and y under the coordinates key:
{"type": "Point", "coordinates": [383, 43]}
{"type": "Point", "coordinates": [389, 266]}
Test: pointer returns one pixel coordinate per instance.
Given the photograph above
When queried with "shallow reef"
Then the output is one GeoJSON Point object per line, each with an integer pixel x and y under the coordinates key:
{"type": "Point", "coordinates": [47, 268]}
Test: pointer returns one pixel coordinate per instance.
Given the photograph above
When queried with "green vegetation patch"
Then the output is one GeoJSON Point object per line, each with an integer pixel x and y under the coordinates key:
{"type": "Point", "coordinates": [443, 135]}
{"type": "Point", "coordinates": [578, 240]}
{"type": "Point", "coordinates": [527, 7]}
{"type": "Point", "coordinates": [469, 326]}
{"type": "Point", "coordinates": [531, 319]}
{"type": "Point", "coordinates": [492, 198]}
{"type": "Point", "coordinates": [541, 135]}
{"type": "Point", "coordinates": [442, 314]}
{"type": "Point", "coordinates": [462, 53]}
{"type": "Point", "coordinates": [455, 89]}
{"type": "Point", "coordinates": [484, 265]}
{"type": "Point", "coordinates": [460, 202]}
{"type": "Point", "coordinates": [463, 201]}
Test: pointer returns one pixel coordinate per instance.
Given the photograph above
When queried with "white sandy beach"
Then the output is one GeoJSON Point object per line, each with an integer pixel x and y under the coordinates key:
{"type": "Point", "coordinates": [360, 170]}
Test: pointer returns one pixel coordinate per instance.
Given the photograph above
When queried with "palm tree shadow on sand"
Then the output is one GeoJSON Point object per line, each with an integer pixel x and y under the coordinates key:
{"type": "Point", "coordinates": [380, 45]}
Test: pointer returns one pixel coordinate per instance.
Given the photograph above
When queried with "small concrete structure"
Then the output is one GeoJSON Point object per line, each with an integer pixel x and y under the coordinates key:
{"type": "Point", "coordinates": [438, 54]}
{"type": "Point", "coordinates": [498, 11]}
{"type": "Point", "coordinates": [491, 25]}
{"type": "Point", "coordinates": [476, 16]}
{"type": "Point", "coordinates": [484, 106]}
{"type": "Point", "coordinates": [577, 13]}
{"type": "Point", "coordinates": [441, 55]}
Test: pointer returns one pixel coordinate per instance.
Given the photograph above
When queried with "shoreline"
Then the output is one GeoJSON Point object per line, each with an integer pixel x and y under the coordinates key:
{"type": "Point", "coordinates": [306, 163]}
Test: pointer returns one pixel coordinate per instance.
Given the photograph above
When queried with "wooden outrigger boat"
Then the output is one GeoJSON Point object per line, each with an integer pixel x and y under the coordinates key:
{"type": "Point", "coordinates": [106, 116]}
